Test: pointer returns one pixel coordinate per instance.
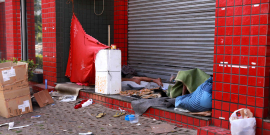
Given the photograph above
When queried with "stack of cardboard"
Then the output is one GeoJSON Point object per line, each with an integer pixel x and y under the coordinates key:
{"type": "Point", "coordinates": [15, 96]}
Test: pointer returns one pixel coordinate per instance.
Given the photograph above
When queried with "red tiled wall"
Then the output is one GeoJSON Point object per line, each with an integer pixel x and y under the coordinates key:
{"type": "Point", "coordinates": [10, 42]}
{"type": "Point", "coordinates": [241, 62]}
{"type": "Point", "coordinates": [13, 29]}
{"type": "Point", "coordinates": [2, 31]}
{"type": "Point", "coordinates": [121, 27]}
{"type": "Point", "coordinates": [30, 29]}
{"type": "Point", "coordinates": [49, 41]}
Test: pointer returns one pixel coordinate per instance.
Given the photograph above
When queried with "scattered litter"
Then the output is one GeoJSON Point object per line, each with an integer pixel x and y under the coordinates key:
{"type": "Point", "coordinates": [222, 118]}
{"type": "Point", "coordinates": [55, 94]}
{"type": "Point", "coordinates": [110, 125]}
{"type": "Point", "coordinates": [68, 98]}
{"type": "Point", "coordinates": [11, 126]}
{"type": "Point", "coordinates": [121, 110]}
{"type": "Point", "coordinates": [52, 104]}
{"type": "Point", "coordinates": [133, 118]}
{"type": "Point", "coordinates": [83, 103]}
{"type": "Point", "coordinates": [4, 124]}
{"type": "Point", "coordinates": [88, 133]}
{"type": "Point", "coordinates": [19, 131]}
{"type": "Point", "coordinates": [154, 119]}
{"type": "Point", "coordinates": [38, 122]}
{"type": "Point", "coordinates": [37, 116]}
{"type": "Point", "coordinates": [127, 118]}
{"type": "Point", "coordinates": [138, 124]}
{"type": "Point", "coordinates": [65, 130]}
{"type": "Point", "coordinates": [162, 128]}
{"type": "Point", "coordinates": [181, 110]}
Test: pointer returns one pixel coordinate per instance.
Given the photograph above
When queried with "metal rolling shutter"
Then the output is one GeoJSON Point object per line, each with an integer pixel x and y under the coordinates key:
{"type": "Point", "coordinates": [166, 36]}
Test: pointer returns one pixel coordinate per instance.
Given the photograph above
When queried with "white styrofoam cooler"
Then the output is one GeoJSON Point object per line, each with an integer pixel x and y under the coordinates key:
{"type": "Point", "coordinates": [108, 72]}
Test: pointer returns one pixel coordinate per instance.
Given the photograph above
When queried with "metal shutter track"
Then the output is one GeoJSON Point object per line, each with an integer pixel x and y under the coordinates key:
{"type": "Point", "coordinates": [166, 36]}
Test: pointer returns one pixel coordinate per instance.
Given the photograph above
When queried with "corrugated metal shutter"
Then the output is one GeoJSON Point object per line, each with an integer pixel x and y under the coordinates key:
{"type": "Point", "coordinates": [166, 36]}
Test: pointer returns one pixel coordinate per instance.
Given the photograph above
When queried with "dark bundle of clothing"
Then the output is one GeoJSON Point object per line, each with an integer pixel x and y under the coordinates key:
{"type": "Point", "coordinates": [128, 72]}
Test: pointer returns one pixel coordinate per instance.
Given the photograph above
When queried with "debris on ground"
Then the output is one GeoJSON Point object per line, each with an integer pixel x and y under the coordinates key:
{"type": "Point", "coordinates": [121, 113]}
{"type": "Point", "coordinates": [55, 94]}
{"type": "Point", "coordinates": [37, 116]}
{"type": "Point", "coordinates": [61, 117]}
{"type": "Point", "coordinates": [83, 103]}
{"type": "Point", "coordinates": [68, 98]}
{"type": "Point", "coordinates": [162, 128]}
{"type": "Point", "coordinates": [11, 126]}
{"type": "Point", "coordinates": [88, 133]}
{"type": "Point", "coordinates": [43, 98]}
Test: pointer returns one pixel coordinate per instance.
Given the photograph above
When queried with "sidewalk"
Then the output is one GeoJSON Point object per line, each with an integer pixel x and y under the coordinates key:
{"type": "Point", "coordinates": [63, 119]}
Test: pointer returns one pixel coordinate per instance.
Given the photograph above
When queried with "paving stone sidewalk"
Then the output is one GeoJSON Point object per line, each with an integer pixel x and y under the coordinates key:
{"type": "Point", "coordinates": [63, 119]}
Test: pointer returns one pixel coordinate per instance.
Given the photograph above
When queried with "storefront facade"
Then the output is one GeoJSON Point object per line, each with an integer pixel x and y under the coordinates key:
{"type": "Point", "coordinates": [240, 44]}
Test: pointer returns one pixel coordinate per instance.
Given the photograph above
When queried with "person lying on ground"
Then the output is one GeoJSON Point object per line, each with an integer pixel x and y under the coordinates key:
{"type": "Point", "coordinates": [138, 80]}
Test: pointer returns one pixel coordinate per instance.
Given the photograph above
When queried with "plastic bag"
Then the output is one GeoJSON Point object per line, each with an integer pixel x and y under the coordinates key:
{"type": "Point", "coordinates": [242, 125]}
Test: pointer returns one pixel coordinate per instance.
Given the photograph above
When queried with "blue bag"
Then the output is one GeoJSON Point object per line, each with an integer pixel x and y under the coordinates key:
{"type": "Point", "coordinates": [198, 101]}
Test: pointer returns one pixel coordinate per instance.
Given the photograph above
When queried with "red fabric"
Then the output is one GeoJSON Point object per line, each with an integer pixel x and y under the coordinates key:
{"type": "Point", "coordinates": [82, 54]}
{"type": "Point", "coordinates": [79, 105]}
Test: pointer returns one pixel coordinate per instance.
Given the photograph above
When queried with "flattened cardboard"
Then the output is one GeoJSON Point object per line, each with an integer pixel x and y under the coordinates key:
{"type": "Point", "coordinates": [19, 72]}
{"type": "Point", "coordinates": [16, 106]}
{"type": "Point", "coordinates": [43, 98]}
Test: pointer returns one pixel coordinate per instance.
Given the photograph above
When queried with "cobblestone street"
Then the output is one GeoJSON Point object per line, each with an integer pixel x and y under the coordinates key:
{"type": "Point", "coordinates": [63, 119]}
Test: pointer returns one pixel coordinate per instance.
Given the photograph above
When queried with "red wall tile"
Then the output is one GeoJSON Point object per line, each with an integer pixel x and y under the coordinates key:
{"type": "Point", "coordinates": [242, 82]}
{"type": "Point", "coordinates": [49, 41]}
{"type": "Point", "coordinates": [120, 27]}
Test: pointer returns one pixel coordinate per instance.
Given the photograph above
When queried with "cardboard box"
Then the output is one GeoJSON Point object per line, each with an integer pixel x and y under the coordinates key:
{"type": "Point", "coordinates": [15, 85]}
{"type": "Point", "coordinates": [14, 89]}
{"type": "Point", "coordinates": [16, 106]}
{"type": "Point", "coordinates": [14, 93]}
{"type": "Point", "coordinates": [12, 72]}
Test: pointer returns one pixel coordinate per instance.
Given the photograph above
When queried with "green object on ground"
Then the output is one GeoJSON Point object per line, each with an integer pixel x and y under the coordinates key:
{"type": "Point", "coordinates": [190, 78]}
{"type": "Point", "coordinates": [19, 131]}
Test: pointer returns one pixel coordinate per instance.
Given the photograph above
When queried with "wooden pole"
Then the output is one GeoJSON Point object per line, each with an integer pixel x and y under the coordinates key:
{"type": "Point", "coordinates": [109, 35]}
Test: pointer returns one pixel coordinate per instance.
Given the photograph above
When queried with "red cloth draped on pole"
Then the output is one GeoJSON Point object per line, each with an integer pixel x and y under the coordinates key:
{"type": "Point", "coordinates": [82, 54]}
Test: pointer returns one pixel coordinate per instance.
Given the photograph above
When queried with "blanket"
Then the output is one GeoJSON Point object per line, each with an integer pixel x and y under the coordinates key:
{"type": "Point", "coordinates": [198, 101]}
{"type": "Point", "coordinates": [141, 105]}
{"type": "Point", "coordinates": [190, 78]}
